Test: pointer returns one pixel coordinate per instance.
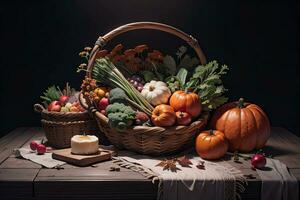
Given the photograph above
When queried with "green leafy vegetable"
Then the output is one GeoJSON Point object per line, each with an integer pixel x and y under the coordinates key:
{"type": "Point", "coordinates": [148, 75]}
{"type": "Point", "coordinates": [51, 94]}
{"type": "Point", "coordinates": [177, 82]}
{"type": "Point", "coordinates": [182, 75]}
{"type": "Point", "coordinates": [206, 81]}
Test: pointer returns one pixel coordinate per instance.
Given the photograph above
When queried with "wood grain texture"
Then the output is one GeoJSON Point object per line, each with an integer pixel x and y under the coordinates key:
{"type": "Point", "coordinates": [108, 189]}
{"type": "Point", "coordinates": [17, 175]}
{"type": "Point", "coordinates": [22, 179]}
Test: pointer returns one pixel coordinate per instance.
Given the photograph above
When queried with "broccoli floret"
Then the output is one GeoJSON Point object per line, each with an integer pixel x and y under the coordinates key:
{"type": "Point", "coordinates": [115, 107]}
{"type": "Point", "coordinates": [117, 95]}
{"type": "Point", "coordinates": [119, 121]}
{"type": "Point", "coordinates": [120, 116]}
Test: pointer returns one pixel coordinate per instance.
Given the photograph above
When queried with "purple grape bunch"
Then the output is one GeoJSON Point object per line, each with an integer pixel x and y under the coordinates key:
{"type": "Point", "coordinates": [137, 81]}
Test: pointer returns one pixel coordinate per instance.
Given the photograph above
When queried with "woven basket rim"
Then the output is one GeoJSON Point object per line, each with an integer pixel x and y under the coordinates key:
{"type": "Point", "coordinates": [42, 110]}
{"type": "Point", "coordinates": [163, 131]}
{"type": "Point", "coordinates": [64, 113]}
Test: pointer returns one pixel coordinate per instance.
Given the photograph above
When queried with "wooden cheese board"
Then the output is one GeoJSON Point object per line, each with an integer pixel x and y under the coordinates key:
{"type": "Point", "coordinates": [83, 160]}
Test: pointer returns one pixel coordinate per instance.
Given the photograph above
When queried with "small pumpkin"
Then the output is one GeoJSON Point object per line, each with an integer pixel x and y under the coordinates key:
{"type": "Point", "coordinates": [186, 102]}
{"type": "Point", "coordinates": [245, 125]}
{"type": "Point", "coordinates": [183, 118]}
{"type": "Point", "coordinates": [156, 92]}
{"type": "Point", "coordinates": [211, 144]}
{"type": "Point", "coordinates": [163, 115]}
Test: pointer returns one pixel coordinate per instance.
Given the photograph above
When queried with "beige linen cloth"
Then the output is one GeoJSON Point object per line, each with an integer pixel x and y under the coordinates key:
{"type": "Point", "coordinates": [45, 160]}
{"type": "Point", "coordinates": [216, 182]}
{"type": "Point", "coordinates": [277, 182]}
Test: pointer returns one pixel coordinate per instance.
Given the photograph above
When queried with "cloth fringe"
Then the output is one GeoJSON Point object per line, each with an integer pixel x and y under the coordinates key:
{"type": "Point", "coordinates": [146, 172]}
{"type": "Point", "coordinates": [234, 186]}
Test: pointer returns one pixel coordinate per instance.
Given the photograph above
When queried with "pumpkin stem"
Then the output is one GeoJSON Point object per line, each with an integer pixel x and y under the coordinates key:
{"type": "Point", "coordinates": [211, 131]}
{"type": "Point", "coordinates": [241, 103]}
{"type": "Point", "coordinates": [189, 90]}
{"type": "Point", "coordinates": [181, 114]}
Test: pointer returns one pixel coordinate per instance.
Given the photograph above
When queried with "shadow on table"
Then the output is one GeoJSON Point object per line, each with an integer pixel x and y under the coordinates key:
{"type": "Point", "coordinates": [277, 151]}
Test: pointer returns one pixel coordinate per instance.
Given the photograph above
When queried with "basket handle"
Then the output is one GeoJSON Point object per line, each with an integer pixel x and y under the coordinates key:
{"type": "Point", "coordinates": [91, 109]}
{"type": "Point", "coordinates": [100, 43]}
{"type": "Point", "coordinates": [38, 108]}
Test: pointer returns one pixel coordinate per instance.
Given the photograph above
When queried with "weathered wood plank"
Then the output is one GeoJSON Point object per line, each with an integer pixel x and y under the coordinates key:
{"type": "Point", "coordinates": [17, 183]}
{"type": "Point", "coordinates": [108, 189]}
{"type": "Point", "coordinates": [9, 144]}
{"type": "Point", "coordinates": [11, 136]}
{"type": "Point", "coordinates": [13, 162]}
{"type": "Point", "coordinates": [86, 174]}
{"type": "Point", "coordinates": [14, 190]}
{"type": "Point", "coordinates": [102, 165]}
{"type": "Point", "coordinates": [18, 174]}
{"type": "Point", "coordinates": [17, 163]}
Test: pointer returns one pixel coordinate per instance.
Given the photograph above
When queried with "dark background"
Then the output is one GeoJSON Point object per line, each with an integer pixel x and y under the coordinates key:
{"type": "Point", "coordinates": [258, 40]}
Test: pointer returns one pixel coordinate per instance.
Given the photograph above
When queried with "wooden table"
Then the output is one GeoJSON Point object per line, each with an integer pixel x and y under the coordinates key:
{"type": "Point", "coordinates": [22, 179]}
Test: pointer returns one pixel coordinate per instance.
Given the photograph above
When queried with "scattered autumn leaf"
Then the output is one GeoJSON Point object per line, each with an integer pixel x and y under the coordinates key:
{"type": "Point", "coordinates": [168, 165]}
{"type": "Point", "coordinates": [201, 165]}
{"type": "Point", "coordinates": [184, 161]}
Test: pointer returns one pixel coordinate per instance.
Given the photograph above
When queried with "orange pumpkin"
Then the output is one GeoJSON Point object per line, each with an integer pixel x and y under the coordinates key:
{"type": "Point", "coordinates": [163, 115]}
{"type": "Point", "coordinates": [245, 125]}
{"type": "Point", "coordinates": [186, 102]}
{"type": "Point", "coordinates": [211, 144]}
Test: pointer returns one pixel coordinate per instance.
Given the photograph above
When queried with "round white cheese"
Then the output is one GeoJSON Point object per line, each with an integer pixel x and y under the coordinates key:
{"type": "Point", "coordinates": [84, 144]}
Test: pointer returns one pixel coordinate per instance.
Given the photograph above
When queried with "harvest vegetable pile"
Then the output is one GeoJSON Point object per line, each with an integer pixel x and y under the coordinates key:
{"type": "Point", "coordinates": [144, 87]}
{"type": "Point", "coordinates": [57, 100]}
{"type": "Point", "coordinates": [148, 88]}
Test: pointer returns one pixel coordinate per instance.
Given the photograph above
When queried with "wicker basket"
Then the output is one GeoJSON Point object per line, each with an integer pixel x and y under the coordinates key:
{"type": "Point", "coordinates": [60, 127]}
{"type": "Point", "coordinates": [143, 139]}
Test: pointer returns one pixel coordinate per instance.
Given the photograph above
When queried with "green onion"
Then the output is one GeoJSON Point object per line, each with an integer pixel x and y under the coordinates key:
{"type": "Point", "coordinates": [106, 72]}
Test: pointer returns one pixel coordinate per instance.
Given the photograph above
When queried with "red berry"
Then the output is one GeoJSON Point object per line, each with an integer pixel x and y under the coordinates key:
{"type": "Point", "coordinates": [41, 149]}
{"type": "Point", "coordinates": [33, 145]}
{"type": "Point", "coordinates": [258, 161]}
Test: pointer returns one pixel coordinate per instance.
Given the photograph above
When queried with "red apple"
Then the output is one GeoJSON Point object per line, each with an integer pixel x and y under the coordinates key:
{"type": "Point", "coordinates": [63, 99]}
{"type": "Point", "coordinates": [33, 145]}
{"type": "Point", "coordinates": [258, 161]}
{"type": "Point", "coordinates": [54, 106]}
{"type": "Point", "coordinates": [41, 149]}
{"type": "Point", "coordinates": [103, 103]}
{"type": "Point", "coordinates": [183, 118]}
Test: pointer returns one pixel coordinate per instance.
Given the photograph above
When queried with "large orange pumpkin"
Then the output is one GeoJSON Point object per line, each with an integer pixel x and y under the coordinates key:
{"type": "Point", "coordinates": [163, 115]}
{"type": "Point", "coordinates": [186, 102]}
{"type": "Point", "coordinates": [245, 125]}
{"type": "Point", "coordinates": [211, 144]}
